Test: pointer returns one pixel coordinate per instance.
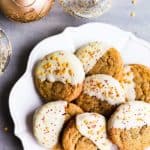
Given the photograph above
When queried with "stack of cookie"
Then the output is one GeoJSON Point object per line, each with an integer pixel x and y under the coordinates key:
{"type": "Point", "coordinates": [94, 101]}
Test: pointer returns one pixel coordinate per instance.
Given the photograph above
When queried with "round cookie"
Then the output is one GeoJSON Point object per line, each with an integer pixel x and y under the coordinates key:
{"type": "Point", "coordinates": [101, 94]}
{"type": "Point", "coordinates": [86, 132]}
{"type": "Point", "coordinates": [129, 126]}
{"type": "Point", "coordinates": [49, 120]}
{"type": "Point", "coordinates": [100, 58]}
{"type": "Point", "coordinates": [59, 75]}
{"type": "Point", "coordinates": [136, 82]}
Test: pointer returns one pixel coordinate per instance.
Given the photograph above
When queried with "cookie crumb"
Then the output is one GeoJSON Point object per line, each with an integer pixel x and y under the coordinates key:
{"type": "Point", "coordinates": [134, 2]}
{"type": "Point", "coordinates": [132, 14]}
{"type": "Point", "coordinates": [6, 129]}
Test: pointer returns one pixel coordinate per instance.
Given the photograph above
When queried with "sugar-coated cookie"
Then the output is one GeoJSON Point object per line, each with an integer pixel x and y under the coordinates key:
{"type": "Point", "coordinates": [48, 122]}
{"type": "Point", "coordinates": [136, 82]}
{"type": "Point", "coordinates": [86, 132]}
{"type": "Point", "coordinates": [59, 75]}
{"type": "Point", "coordinates": [100, 58]}
{"type": "Point", "coordinates": [129, 126]}
{"type": "Point", "coordinates": [101, 93]}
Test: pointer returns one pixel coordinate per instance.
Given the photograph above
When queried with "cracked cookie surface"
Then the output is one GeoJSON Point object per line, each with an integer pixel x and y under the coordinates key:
{"type": "Point", "coordinates": [142, 82]}
{"type": "Point", "coordinates": [110, 63]}
{"type": "Point", "coordinates": [136, 82]}
{"type": "Point", "coordinates": [59, 75]}
{"type": "Point", "coordinates": [101, 94]}
{"type": "Point", "coordinates": [57, 90]}
{"type": "Point", "coordinates": [73, 140]}
{"type": "Point", "coordinates": [86, 131]}
{"type": "Point", "coordinates": [100, 58]}
{"type": "Point", "coordinates": [129, 126]}
{"type": "Point", "coordinates": [48, 122]}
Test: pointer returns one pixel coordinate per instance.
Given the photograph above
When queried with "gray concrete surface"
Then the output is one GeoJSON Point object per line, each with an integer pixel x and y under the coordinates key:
{"type": "Point", "coordinates": [25, 36]}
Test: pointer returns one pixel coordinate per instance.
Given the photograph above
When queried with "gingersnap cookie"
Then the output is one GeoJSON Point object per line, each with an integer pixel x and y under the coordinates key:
{"type": "Point", "coordinates": [101, 93]}
{"type": "Point", "coordinates": [86, 132]}
{"type": "Point", "coordinates": [136, 82]}
{"type": "Point", "coordinates": [59, 75]}
{"type": "Point", "coordinates": [100, 58]}
{"type": "Point", "coordinates": [48, 122]}
{"type": "Point", "coordinates": [129, 126]}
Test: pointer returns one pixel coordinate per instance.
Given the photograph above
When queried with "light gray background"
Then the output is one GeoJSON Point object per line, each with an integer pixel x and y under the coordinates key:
{"type": "Point", "coordinates": [25, 36]}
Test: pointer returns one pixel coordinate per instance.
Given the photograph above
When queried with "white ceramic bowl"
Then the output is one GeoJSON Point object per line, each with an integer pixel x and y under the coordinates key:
{"type": "Point", "coordinates": [24, 99]}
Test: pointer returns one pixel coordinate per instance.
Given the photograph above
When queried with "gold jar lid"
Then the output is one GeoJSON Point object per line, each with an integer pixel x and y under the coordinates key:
{"type": "Point", "coordinates": [24, 3]}
{"type": "Point", "coordinates": [26, 10]}
{"type": "Point", "coordinates": [85, 8]}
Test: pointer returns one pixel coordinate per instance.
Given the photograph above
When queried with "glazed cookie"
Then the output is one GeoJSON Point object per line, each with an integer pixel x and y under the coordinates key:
{"type": "Point", "coordinates": [59, 75]}
{"type": "Point", "coordinates": [100, 58]}
{"type": "Point", "coordinates": [129, 126]}
{"type": "Point", "coordinates": [101, 94]}
{"type": "Point", "coordinates": [86, 132]}
{"type": "Point", "coordinates": [48, 122]}
{"type": "Point", "coordinates": [136, 82]}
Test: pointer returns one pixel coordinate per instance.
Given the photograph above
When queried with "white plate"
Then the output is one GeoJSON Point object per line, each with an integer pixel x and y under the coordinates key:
{"type": "Point", "coordinates": [24, 99]}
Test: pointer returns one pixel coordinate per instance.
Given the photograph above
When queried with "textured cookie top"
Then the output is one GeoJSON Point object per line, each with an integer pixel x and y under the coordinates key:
{"type": "Point", "coordinates": [60, 66]}
{"type": "Point", "coordinates": [131, 115]}
{"type": "Point", "coordinates": [93, 126]}
{"type": "Point", "coordinates": [91, 53]}
{"type": "Point", "coordinates": [48, 121]}
{"type": "Point", "coordinates": [128, 83]}
{"type": "Point", "coordinates": [105, 88]}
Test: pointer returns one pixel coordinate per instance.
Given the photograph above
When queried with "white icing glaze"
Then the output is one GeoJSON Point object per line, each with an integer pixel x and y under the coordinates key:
{"type": "Point", "coordinates": [131, 115]}
{"type": "Point", "coordinates": [91, 53]}
{"type": "Point", "coordinates": [105, 88]}
{"type": "Point", "coordinates": [93, 127]}
{"type": "Point", "coordinates": [61, 66]}
{"type": "Point", "coordinates": [48, 121]}
{"type": "Point", "coordinates": [128, 83]}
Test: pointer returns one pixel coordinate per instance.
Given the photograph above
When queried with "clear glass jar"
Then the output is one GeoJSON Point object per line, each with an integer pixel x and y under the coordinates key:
{"type": "Point", "coordinates": [5, 51]}
{"type": "Point", "coordinates": [85, 8]}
